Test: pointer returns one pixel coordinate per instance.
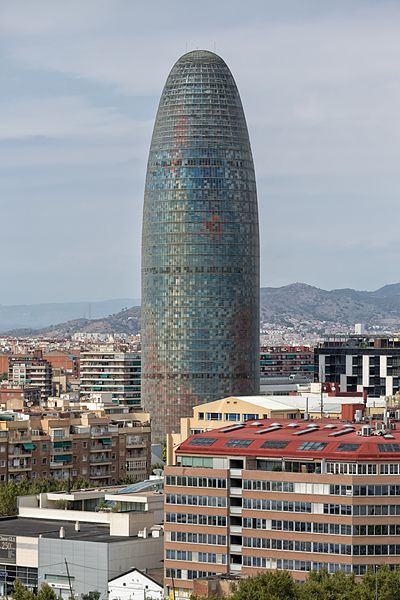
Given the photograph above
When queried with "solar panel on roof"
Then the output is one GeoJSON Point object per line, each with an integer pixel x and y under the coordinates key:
{"type": "Point", "coordinates": [268, 429]}
{"type": "Point", "coordinates": [304, 431]}
{"type": "Point", "coordinates": [140, 487]}
{"type": "Point", "coordinates": [342, 432]}
{"type": "Point", "coordinates": [231, 428]}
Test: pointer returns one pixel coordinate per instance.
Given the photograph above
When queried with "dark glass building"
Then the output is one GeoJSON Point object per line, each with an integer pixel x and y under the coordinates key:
{"type": "Point", "coordinates": [200, 247]}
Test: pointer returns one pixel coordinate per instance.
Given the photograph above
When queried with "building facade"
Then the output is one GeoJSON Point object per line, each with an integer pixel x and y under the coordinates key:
{"type": "Point", "coordinates": [102, 449]}
{"type": "Point", "coordinates": [368, 364]}
{"type": "Point", "coordinates": [282, 495]}
{"type": "Point", "coordinates": [115, 372]}
{"type": "Point", "coordinates": [200, 246]}
{"type": "Point", "coordinates": [286, 361]}
{"type": "Point", "coordinates": [31, 372]}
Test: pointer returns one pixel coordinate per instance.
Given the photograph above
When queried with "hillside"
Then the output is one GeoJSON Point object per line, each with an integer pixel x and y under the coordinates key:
{"type": "Point", "coordinates": [281, 306]}
{"type": "Point", "coordinates": [37, 316]}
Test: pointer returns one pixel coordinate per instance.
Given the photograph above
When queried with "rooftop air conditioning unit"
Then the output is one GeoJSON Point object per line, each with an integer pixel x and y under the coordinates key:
{"type": "Point", "coordinates": [366, 430]}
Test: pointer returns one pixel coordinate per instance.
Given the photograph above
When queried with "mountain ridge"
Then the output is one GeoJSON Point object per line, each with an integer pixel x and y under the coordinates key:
{"type": "Point", "coordinates": [280, 306]}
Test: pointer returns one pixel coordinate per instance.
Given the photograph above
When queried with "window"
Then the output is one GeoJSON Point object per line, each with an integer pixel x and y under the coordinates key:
{"type": "Point", "coordinates": [238, 443]}
{"type": "Point", "coordinates": [44, 447]}
{"type": "Point", "coordinates": [44, 461]}
{"type": "Point", "coordinates": [232, 417]}
{"type": "Point", "coordinates": [278, 444]}
{"type": "Point", "coordinates": [250, 417]}
{"type": "Point", "coordinates": [202, 441]}
{"type": "Point", "coordinates": [389, 447]}
{"type": "Point", "coordinates": [312, 446]}
{"type": "Point", "coordinates": [347, 447]}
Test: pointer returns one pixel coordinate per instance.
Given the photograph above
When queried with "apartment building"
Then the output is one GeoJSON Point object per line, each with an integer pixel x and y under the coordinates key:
{"type": "Point", "coordinates": [65, 361]}
{"type": "Point", "coordinates": [32, 372]}
{"type": "Point", "coordinates": [100, 448]}
{"type": "Point", "coordinates": [285, 495]}
{"type": "Point", "coordinates": [115, 372]}
{"type": "Point", "coordinates": [360, 363]}
{"type": "Point", "coordinates": [286, 361]}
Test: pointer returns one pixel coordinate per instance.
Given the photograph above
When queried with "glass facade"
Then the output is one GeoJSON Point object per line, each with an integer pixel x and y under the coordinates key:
{"type": "Point", "coordinates": [200, 247]}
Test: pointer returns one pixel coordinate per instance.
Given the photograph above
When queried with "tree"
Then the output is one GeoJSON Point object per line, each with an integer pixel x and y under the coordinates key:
{"type": "Point", "coordinates": [20, 592]}
{"type": "Point", "coordinates": [46, 593]}
{"type": "Point", "coordinates": [320, 585]}
{"type": "Point", "coordinates": [274, 585]}
{"type": "Point", "coordinates": [91, 596]}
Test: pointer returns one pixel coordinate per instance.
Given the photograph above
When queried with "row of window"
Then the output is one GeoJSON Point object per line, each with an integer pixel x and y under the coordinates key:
{"type": "Point", "coordinates": [187, 575]}
{"type": "Point", "coordinates": [189, 519]}
{"type": "Point", "coordinates": [277, 505]}
{"type": "Point", "coordinates": [364, 490]}
{"type": "Point", "coordinates": [197, 538]}
{"type": "Point", "coordinates": [323, 547]}
{"type": "Point", "coordinates": [335, 528]}
{"type": "Point", "coordinates": [190, 500]}
{"type": "Point", "coordinates": [210, 482]}
{"type": "Point", "coordinates": [204, 557]}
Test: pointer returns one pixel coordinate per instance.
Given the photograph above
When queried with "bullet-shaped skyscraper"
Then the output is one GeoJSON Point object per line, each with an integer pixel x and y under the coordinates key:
{"type": "Point", "coordinates": [200, 247]}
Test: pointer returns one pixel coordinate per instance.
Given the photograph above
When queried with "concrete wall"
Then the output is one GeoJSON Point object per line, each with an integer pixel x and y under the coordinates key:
{"type": "Point", "coordinates": [64, 515]}
{"type": "Point", "coordinates": [87, 562]}
{"type": "Point", "coordinates": [139, 553]}
{"type": "Point", "coordinates": [27, 551]}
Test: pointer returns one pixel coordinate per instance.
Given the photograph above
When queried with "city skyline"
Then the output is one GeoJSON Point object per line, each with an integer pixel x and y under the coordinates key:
{"type": "Point", "coordinates": [320, 83]}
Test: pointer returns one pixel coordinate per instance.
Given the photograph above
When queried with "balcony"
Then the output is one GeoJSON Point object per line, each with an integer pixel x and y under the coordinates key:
{"type": "Point", "coordinates": [235, 510]}
{"type": "Point", "coordinates": [99, 474]}
{"type": "Point", "coordinates": [235, 472]}
{"type": "Point", "coordinates": [23, 466]}
{"type": "Point", "coordinates": [236, 548]}
{"type": "Point", "coordinates": [235, 491]}
{"type": "Point", "coordinates": [105, 460]}
{"type": "Point", "coordinates": [236, 529]}
{"type": "Point", "coordinates": [101, 448]}
{"type": "Point", "coordinates": [61, 460]}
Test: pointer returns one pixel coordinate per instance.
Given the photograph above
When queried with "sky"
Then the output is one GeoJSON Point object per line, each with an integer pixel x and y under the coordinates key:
{"type": "Point", "coordinates": [79, 88]}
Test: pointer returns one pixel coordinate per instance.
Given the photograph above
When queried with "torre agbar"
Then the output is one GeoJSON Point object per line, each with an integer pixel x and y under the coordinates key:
{"type": "Point", "coordinates": [200, 247]}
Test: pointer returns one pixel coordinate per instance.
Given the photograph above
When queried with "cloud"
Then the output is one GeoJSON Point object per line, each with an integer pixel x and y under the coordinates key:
{"type": "Point", "coordinates": [320, 87]}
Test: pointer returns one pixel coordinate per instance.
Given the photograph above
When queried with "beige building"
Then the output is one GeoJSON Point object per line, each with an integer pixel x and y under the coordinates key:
{"type": "Point", "coordinates": [65, 445]}
{"type": "Point", "coordinates": [233, 409]}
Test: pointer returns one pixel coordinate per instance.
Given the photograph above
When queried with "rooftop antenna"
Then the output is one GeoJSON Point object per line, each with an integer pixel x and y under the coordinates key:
{"type": "Point", "coordinates": [186, 47]}
{"type": "Point", "coordinates": [215, 47]}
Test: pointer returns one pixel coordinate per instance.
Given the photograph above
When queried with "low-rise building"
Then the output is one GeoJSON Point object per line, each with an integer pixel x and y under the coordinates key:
{"type": "Point", "coordinates": [234, 409]}
{"type": "Point", "coordinates": [135, 585]}
{"type": "Point", "coordinates": [282, 495]}
{"type": "Point", "coordinates": [83, 544]}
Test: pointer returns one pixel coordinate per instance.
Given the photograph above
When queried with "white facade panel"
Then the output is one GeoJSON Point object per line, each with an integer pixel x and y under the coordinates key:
{"type": "Point", "coordinates": [365, 370]}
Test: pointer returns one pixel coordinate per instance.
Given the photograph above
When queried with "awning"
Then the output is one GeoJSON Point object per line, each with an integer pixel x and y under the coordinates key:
{"type": "Point", "coordinates": [29, 446]}
{"type": "Point", "coordinates": [63, 444]}
{"type": "Point", "coordinates": [62, 458]}
{"type": "Point", "coordinates": [106, 441]}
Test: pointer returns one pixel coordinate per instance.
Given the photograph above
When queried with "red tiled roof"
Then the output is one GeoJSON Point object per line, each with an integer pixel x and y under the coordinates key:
{"type": "Point", "coordinates": [295, 433]}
